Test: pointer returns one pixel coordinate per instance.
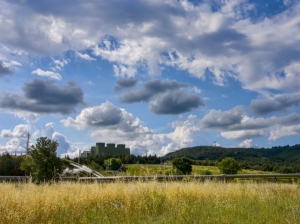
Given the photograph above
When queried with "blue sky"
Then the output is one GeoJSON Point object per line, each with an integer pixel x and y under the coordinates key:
{"type": "Point", "coordinates": [155, 75]}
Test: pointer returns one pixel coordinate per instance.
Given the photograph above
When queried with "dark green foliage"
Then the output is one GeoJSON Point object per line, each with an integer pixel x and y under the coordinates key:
{"type": "Point", "coordinates": [273, 159]}
{"type": "Point", "coordinates": [183, 164]}
{"type": "Point", "coordinates": [42, 163]}
{"type": "Point", "coordinates": [112, 164]}
{"type": "Point", "coordinates": [10, 165]}
{"type": "Point", "coordinates": [128, 159]}
{"type": "Point", "coordinates": [229, 166]}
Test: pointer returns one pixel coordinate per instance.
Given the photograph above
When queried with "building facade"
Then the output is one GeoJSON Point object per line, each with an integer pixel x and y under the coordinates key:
{"type": "Point", "coordinates": [109, 149]}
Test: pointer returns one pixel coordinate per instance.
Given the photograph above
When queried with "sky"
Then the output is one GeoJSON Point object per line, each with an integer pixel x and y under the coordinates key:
{"type": "Point", "coordinates": [156, 75]}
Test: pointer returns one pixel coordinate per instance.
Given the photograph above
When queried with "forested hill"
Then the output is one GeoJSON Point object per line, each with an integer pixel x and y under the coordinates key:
{"type": "Point", "coordinates": [281, 154]}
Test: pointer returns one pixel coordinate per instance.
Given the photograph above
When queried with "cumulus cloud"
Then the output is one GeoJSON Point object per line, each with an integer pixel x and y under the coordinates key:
{"type": "Point", "coordinates": [127, 129]}
{"type": "Point", "coordinates": [175, 102]}
{"type": "Point", "coordinates": [65, 147]}
{"type": "Point", "coordinates": [166, 97]}
{"type": "Point", "coordinates": [281, 131]}
{"type": "Point", "coordinates": [279, 103]}
{"type": "Point", "coordinates": [30, 118]}
{"type": "Point", "coordinates": [150, 89]}
{"type": "Point", "coordinates": [106, 114]}
{"type": "Point", "coordinates": [20, 131]}
{"type": "Point", "coordinates": [124, 71]}
{"type": "Point", "coordinates": [44, 97]}
{"type": "Point", "coordinates": [235, 124]}
{"type": "Point", "coordinates": [217, 119]}
{"type": "Point", "coordinates": [125, 83]}
{"type": "Point", "coordinates": [48, 74]}
{"type": "Point", "coordinates": [5, 70]}
{"type": "Point", "coordinates": [247, 143]}
{"type": "Point", "coordinates": [14, 145]}
{"type": "Point", "coordinates": [220, 38]}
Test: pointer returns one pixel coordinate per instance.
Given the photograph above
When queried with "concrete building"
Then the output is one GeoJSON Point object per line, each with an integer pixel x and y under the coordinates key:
{"type": "Point", "coordinates": [109, 150]}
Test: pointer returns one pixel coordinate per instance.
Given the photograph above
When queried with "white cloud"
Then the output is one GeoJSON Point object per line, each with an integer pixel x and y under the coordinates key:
{"type": "Point", "coordinates": [65, 147]}
{"type": "Point", "coordinates": [112, 124]}
{"type": "Point", "coordinates": [123, 71]}
{"type": "Point", "coordinates": [247, 143]}
{"type": "Point", "coordinates": [281, 131]}
{"type": "Point", "coordinates": [242, 134]}
{"type": "Point", "coordinates": [12, 63]}
{"type": "Point", "coordinates": [233, 124]}
{"type": "Point", "coordinates": [85, 56]}
{"type": "Point", "coordinates": [59, 64]}
{"type": "Point", "coordinates": [227, 42]}
{"type": "Point", "coordinates": [48, 74]}
{"type": "Point", "coordinates": [14, 145]}
{"type": "Point", "coordinates": [20, 131]}
{"type": "Point", "coordinates": [30, 118]}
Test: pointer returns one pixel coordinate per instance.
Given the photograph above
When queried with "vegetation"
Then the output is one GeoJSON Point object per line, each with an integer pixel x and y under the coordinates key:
{"type": "Point", "coordinates": [229, 166]}
{"type": "Point", "coordinates": [42, 163]}
{"type": "Point", "coordinates": [10, 165]}
{"type": "Point", "coordinates": [183, 164]}
{"type": "Point", "coordinates": [113, 164]}
{"type": "Point", "coordinates": [150, 202]}
{"type": "Point", "coordinates": [277, 159]}
{"type": "Point", "coordinates": [280, 159]}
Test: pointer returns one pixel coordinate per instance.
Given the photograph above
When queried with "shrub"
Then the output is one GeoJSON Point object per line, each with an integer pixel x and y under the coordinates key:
{"type": "Point", "coordinates": [112, 164]}
{"type": "Point", "coordinates": [229, 166]}
{"type": "Point", "coordinates": [182, 164]}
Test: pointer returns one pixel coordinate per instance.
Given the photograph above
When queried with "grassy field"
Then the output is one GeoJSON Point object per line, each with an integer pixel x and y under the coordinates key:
{"type": "Point", "coordinates": [149, 170]}
{"type": "Point", "coordinates": [150, 202]}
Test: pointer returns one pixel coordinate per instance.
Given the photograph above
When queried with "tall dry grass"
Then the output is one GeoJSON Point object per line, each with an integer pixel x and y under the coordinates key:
{"type": "Point", "coordinates": [150, 202]}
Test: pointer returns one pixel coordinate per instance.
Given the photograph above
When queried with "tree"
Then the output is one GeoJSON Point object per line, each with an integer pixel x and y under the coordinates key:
{"type": "Point", "coordinates": [42, 163]}
{"type": "Point", "coordinates": [6, 164]}
{"type": "Point", "coordinates": [229, 166]}
{"type": "Point", "coordinates": [182, 164]}
{"type": "Point", "coordinates": [10, 165]}
{"type": "Point", "coordinates": [113, 164]}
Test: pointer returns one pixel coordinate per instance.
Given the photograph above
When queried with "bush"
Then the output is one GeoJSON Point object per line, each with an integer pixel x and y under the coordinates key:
{"type": "Point", "coordinates": [182, 164]}
{"type": "Point", "coordinates": [229, 166]}
{"type": "Point", "coordinates": [112, 164]}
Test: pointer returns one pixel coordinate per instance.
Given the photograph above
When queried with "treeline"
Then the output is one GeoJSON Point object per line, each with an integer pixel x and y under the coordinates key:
{"type": "Point", "coordinates": [282, 159]}
{"type": "Point", "coordinates": [10, 165]}
{"type": "Point", "coordinates": [95, 162]}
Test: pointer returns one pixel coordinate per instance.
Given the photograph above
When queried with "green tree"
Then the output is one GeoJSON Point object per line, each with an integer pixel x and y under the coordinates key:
{"type": "Point", "coordinates": [6, 164]}
{"type": "Point", "coordinates": [182, 164]}
{"type": "Point", "coordinates": [229, 166]}
{"type": "Point", "coordinates": [42, 163]}
{"type": "Point", "coordinates": [10, 165]}
{"type": "Point", "coordinates": [113, 163]}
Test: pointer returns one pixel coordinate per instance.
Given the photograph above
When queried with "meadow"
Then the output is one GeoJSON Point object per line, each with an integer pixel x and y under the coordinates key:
{"type": "Point", "coordinates": [150, 202]}
{"type": "Point", "coordinates": [150, 170]}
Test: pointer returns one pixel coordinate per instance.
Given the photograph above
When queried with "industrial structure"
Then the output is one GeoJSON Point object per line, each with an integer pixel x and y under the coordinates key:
{"type": "Point", "coordinates": [109, 149]}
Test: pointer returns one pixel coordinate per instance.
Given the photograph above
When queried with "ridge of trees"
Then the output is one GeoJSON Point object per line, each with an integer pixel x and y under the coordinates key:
{"type": "Point", "coordinates": [282, 159]}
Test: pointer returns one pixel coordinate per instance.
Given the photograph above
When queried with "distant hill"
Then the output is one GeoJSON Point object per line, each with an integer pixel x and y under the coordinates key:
{"type": "Point", "coordinates": [280, 156]}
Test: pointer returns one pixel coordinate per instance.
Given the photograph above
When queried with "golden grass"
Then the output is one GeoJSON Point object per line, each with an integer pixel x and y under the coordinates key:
{"type": "Point", "coordinates": [150, 202]}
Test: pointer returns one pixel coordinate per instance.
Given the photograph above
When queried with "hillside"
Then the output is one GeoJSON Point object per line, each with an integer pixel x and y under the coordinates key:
{"type": "Point", "coordinates": [255, 157]}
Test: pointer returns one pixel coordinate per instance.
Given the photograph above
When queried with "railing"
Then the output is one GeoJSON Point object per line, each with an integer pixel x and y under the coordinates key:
{"type": "Point", "coordinates": [224, 177]}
